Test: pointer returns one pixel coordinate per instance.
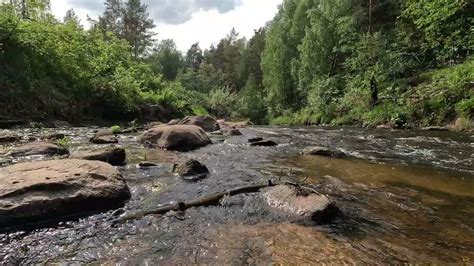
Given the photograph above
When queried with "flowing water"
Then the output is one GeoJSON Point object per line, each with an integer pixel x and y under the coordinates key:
{"type": "Point", "coordinates": [406, 197]}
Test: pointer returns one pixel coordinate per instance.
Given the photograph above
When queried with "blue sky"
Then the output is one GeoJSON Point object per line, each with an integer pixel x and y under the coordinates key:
{"type": "Point", "coordinates": [189, 21]}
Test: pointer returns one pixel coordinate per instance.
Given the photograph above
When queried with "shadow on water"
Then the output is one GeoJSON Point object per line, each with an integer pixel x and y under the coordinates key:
{"type": "Point", "coordinates": [406, 197]}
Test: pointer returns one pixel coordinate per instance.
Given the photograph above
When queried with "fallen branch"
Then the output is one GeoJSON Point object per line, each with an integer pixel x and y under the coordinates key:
{"type": "Point", "coordinates": [209, 200]}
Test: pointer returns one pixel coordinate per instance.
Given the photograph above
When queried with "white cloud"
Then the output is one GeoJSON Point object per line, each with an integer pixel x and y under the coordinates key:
{"type": "Point", "coordinates": [206, 22]}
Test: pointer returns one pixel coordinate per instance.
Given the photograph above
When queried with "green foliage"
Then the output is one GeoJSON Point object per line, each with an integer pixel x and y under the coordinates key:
{"type": "Point", "coordinates": [465, 108]}
{"type": "Point", "coordinates": [222, 103]}
{"type": "Point", "coordinates": [64, 142]}
{"type": "Point", "coordinates": [350, 63]}
{"type": "Point", "coordinates": [116, 129]}
{"type": "Point", "coordinates": [166, 59]}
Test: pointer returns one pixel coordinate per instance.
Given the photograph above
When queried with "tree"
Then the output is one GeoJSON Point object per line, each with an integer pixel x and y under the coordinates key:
{"type": "Point", "coordinates": [137, 27]}
{"type": "Point", "coordinates": [72, 18]}
{"type": "Point", "coordinates": [194, 57]}
{"type": "Point", "coordinates": [112, 18]}
{"type": "Point", "coordinates": [166, 59]}
{"type": "Point", "coordinates": [252, 58]}
{"type": "Point", "coordinates": [129, 21]}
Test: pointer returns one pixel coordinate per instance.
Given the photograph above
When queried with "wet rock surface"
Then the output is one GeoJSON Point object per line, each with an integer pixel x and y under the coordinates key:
{"type": "Point", "coordinates": [207, 123]}
{"type": "Point", "coordinates": [112, 155]}
{"type": "Point", "coordinates": [34, 191]}
{"type": "Point", "coordinates": [177, 137]}
{"type": "Point", "coordinates": [324, 151]}
{"type": "Point", "coordinates": [264, 143]}
{"type": "Point", "coordinates": [6, 138]}
{"type": "Point", "coordinates": [191, 170]}
{"type": "Point", "coordinates": [406, 197]}
{"type": "Point", "coordinates": [106, 139]}
{"type": "Point", "coordinates": [38, 148]}
{"type": "Point", "coordinates": [301, 202]}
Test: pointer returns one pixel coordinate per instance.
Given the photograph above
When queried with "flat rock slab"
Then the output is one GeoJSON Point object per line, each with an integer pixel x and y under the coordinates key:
{"type": "Point", "coordinates": [176, 137]}
{"type": "Point", "coordinates": [38, 148]}
{"type": "Point", "coordinates": [113, 155]}
{"type": "Point", "coordinates": [301, 203]}
{"type": "Point", "coordinates": [36, 191]}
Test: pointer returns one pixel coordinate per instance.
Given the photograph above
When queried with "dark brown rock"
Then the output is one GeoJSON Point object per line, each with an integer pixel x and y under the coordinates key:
{"type": "Point", "coordinates": [38, 148]}
{"type": "Point", "coordinates": [264, 143]}
{"type": "Point", "coordinates": [109, 139]}
{"type": "Point", "coordinates": [177, 137]}
{"type": "Point", "coordinates": [257, 139]}
{"type": "Point", "coordinates": [322, 151]}
{"type": "Point", "coordinates": [34, 191]}
{"type": "Point", "coordinates": [191, 168]}
{"type": "Point", "coordinates": [112, 155]}
{"type": "Point", "coordinates": [146, 164]}
{"type": "Point", "coordinates": [55, 136]}
{"type": "Point", "coordinates": [233, 132]}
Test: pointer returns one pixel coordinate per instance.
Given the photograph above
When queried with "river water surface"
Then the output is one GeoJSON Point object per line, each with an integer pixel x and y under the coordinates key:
{"type": "Point", "coordinates": [406, 197]}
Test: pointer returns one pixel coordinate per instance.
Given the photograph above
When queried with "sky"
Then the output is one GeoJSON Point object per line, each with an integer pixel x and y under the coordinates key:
{"type": "Point", "coordinates": [188, 21]}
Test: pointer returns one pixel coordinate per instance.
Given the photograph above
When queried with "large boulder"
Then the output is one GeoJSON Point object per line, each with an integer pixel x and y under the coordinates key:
{"type": "Point", "coordinates": [191, 170]}
{"type": "Point", "coordinates": [177, 137]}
{"type": "Point", "coordinates": [38, 148]}
{"type": "Point", "coordinates": [323, 151]}
{"type": "Point", "coordinates": [207, 123]}
{"type": "Point", "coordinates": [112, 155]}
{"type": "Point", "coordinates": [33, 191]}
{"type": "Point", "coordinates": [297, 201]}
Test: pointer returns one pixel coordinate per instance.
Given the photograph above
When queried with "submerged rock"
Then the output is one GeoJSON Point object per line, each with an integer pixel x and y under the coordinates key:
{"type": "Point", "coordinates": [264, 143]}
{"type": "Point", "coordinates": [146, 164]}
{"type": "Point", "coordinates": [191, 170]}
{"type": "Point", "coordinates": [322, 151]}
{"type": "Point", "coordinates": [299, 202]}
{"type": "Point", "coordinates": [109, 139]}
{"type": "Point", "coordinates": [257, 139]}
{"type": "Point", "coordinates": [112, 155]}
{"type": "Point", "coordinates": [7, 138]}
{"type": "Point", "coordinates": [435, 128]}
{"type": "Point", "coordinates": [177, 137]}
{"type": "Point", "coordinates": [233, 132]}
{"type": "Point", "coordinates": [207, 123]}
{"type": "Point", "coordinates": [55, 136]}
{"type": "Point", "coordinates": [34, 191]}
{"type": "Point", "coordinates": [38, 148]}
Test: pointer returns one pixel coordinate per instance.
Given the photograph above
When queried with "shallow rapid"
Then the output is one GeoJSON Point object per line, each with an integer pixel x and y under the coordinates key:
{"type": "Point", "coordinates": [406, 197]}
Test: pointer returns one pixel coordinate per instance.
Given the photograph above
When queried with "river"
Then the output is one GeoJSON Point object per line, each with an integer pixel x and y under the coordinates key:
{"type": "Point", "coordinates": [406, 197]}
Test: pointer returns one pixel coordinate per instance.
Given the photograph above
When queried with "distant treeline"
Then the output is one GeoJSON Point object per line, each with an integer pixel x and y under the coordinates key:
{"type": "Point", "coordinates": [340, 62]}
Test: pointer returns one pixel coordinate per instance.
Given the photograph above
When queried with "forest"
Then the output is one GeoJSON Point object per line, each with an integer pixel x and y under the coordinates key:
{"type": "Point", "coordinates": [400, 63]}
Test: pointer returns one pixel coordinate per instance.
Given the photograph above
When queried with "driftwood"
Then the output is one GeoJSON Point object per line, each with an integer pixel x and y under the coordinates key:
{"type": "Point", "coordinates": [208, 200]}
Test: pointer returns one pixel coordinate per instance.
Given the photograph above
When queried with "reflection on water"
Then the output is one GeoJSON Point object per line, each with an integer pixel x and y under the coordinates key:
{"type": "Point", "coordinates": [407, 197]}
{"type": "Point", "coordinates": [401, 213]}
